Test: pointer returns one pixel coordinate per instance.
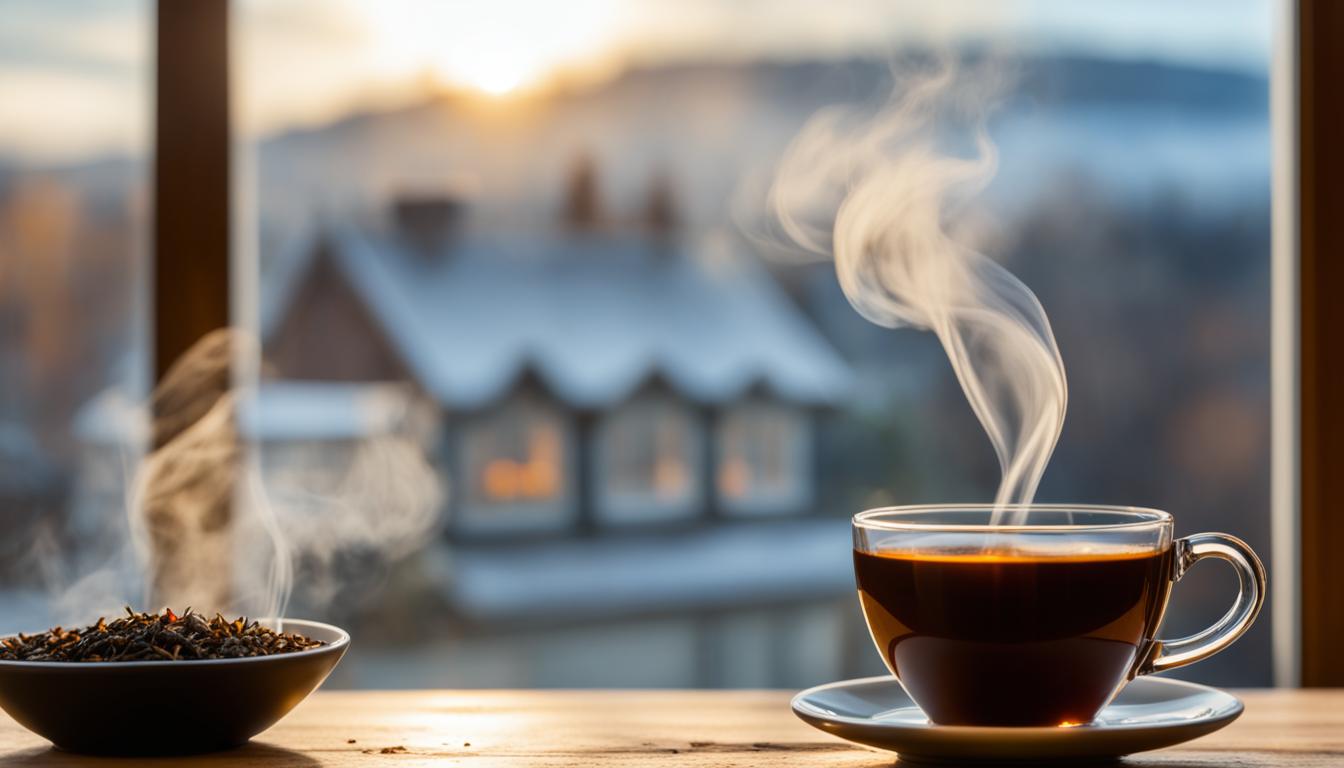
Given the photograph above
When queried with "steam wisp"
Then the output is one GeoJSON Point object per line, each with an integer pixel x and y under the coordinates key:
{"type": "Point", "coordinates": [220, 519]}
{"type": "Point", "coordinates": [879, 194]}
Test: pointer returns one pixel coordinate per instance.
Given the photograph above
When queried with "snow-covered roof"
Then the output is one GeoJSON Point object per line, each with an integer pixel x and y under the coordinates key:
{"type": "Point", "coordinates": [306, 410]}
{"type": "Point", "coordinates": [717, 567]}
{"type": "Point", "coordinates": [593, 316]}
{"type": "Point", "coordinates": [276, 410]}
{"type": "Point", "coordinates": [112, 417]}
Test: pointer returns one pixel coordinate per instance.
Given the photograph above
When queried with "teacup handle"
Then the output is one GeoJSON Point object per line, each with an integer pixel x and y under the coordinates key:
{"type": "Point", "coordinates": [1169, 654]}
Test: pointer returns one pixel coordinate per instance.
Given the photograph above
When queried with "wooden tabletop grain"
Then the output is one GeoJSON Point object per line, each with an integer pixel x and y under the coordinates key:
{"type": "Point", "coordinates": [655, 728]}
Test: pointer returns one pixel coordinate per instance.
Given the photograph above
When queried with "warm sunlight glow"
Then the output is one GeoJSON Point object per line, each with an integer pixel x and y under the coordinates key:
{"type": "Point", "coordinates": [497, 80]}
{"type": "Point", "coordinates": [495, 48]}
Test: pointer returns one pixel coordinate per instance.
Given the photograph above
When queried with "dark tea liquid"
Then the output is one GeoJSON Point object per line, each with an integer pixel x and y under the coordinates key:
{"type": "Point", "coordinates": [984, 638]}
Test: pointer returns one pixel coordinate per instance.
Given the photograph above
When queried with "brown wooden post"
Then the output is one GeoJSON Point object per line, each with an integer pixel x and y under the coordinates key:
{"type": "Point", "coordinates": [188, 491]}
{"type": "Point", "coordinates": [191, 176]}
{"type": "Point", "coordinates": [1320, 59]}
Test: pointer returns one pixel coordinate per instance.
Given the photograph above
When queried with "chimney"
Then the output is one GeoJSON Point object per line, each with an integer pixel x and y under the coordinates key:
{"type": "Point", "coordinates": [582, 204]}
{"type": "Point", "coordinates": [661, 216]}
{"type": "Point", "coordinates": [427, 221]}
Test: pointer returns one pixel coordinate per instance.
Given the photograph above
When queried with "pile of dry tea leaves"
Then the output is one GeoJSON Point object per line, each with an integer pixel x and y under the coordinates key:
{"type": "Point", "coordinates": [154, 637]}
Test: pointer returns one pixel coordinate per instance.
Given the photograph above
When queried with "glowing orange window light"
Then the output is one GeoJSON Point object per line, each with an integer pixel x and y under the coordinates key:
{"type": "Point", "coordinates": [535, 478]}
{"type": "Point", "coordinates": [500, 479]}
{"type": "Point", "coordinates": [735, 478]}
{"type": "Point", "coordinates": [670, 477]}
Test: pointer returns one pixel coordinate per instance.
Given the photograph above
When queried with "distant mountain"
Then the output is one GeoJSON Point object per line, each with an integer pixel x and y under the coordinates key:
{"type": "Point", "coordinates": [1135, 126]}
{"type": "Point", "coordinates": [707, 125]}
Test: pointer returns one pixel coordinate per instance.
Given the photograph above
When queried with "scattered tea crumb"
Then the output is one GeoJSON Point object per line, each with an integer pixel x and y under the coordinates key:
{"type": "Point", "coordinates": [397, 750]}
{"type": "Point", "coordinates": [350, 741]}
{"type": "Point", "coordinates": [466, 743]}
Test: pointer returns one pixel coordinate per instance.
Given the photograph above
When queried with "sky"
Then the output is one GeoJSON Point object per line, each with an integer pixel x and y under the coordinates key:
{"type": "Point", "coordinates": [76, 75]}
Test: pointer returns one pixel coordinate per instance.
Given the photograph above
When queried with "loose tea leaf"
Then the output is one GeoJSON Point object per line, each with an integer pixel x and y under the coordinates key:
{"type": "Point", "coordinates": [155, 637]}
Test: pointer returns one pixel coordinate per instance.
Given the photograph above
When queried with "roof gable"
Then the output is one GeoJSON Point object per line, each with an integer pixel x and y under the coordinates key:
{"type": "Point", "coordinates": [594, 317]}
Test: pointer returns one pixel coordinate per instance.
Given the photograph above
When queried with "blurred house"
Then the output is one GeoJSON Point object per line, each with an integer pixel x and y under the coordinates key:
{"type": "Point", "coordinates": [307, 435]}
{"type": "Point", "coordinates": [626, 422]}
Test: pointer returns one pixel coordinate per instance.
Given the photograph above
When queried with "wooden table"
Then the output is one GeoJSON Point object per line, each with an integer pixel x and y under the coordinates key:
{"type": "Point", "coordinates": [656, 728]}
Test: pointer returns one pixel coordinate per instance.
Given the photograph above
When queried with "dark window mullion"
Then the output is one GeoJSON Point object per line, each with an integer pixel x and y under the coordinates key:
{"type": "Point", "coordinates": [1321, 323]}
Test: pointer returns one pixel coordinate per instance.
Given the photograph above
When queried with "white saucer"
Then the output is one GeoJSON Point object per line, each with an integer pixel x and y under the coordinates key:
{"type": "Point", "coordinates": [1150, 713]}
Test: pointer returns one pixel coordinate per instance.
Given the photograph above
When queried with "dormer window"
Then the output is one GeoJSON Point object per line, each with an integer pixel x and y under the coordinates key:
{"type": "Point", "coordinates": [764, 459]}
{"type": "Point", "coordinates": [517, 469]}
{"type": "Point", "coordinates": [649, 458]}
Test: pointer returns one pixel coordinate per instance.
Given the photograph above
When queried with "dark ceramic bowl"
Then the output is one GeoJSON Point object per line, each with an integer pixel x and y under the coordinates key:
{"type": "Point", "coordinates": [166, 707]}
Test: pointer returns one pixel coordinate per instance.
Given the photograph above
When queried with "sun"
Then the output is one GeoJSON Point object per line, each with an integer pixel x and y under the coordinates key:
{"type": "Point", "coordinates": [495, 48]}
{"type": "Point", "coordinates": [498, 83]}
{"type": "Point", "coordinates": [494, 73]}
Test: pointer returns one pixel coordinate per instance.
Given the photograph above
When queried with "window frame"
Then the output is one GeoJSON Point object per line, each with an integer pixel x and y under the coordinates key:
{"type": "Point", "coordinates": [627, 508]}
{"type": "Point", "coordinates": [1309, 374]}
{"type": "Point", "coordinates": [193, 233]}
{"type": "Point", "coordinates": [192, 273]}
{"type": "Point", "coordinates": [793, 500]}
{"type": "Point", "coordinates": [470, 517]}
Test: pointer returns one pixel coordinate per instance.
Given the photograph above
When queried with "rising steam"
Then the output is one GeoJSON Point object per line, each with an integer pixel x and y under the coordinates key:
{"type": "Point", "coordinates": [219, 520]}
{"type": "Point", "coordinates": [880, 194]}
{"type": "Point", "coordinates": [231, 517]}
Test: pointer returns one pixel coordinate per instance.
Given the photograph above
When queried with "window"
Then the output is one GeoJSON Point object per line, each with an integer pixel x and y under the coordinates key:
{"type": "Point", "coordinates": [515, 470]}
{"type": "Point", "coordinates": [650, 460]}
{"type": "Point", "coordinates": [310, 434]}
{"type": "Point", "coordinates": [1131, 198]}
{"type": "Point", "coordinates": [764, 461]}
{"type": "Point", "coordinates": [75, 145]}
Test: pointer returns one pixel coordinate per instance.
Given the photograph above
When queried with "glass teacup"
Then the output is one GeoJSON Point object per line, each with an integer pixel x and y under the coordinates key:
{"type": "Point", "coordinates": [1038, 622]}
